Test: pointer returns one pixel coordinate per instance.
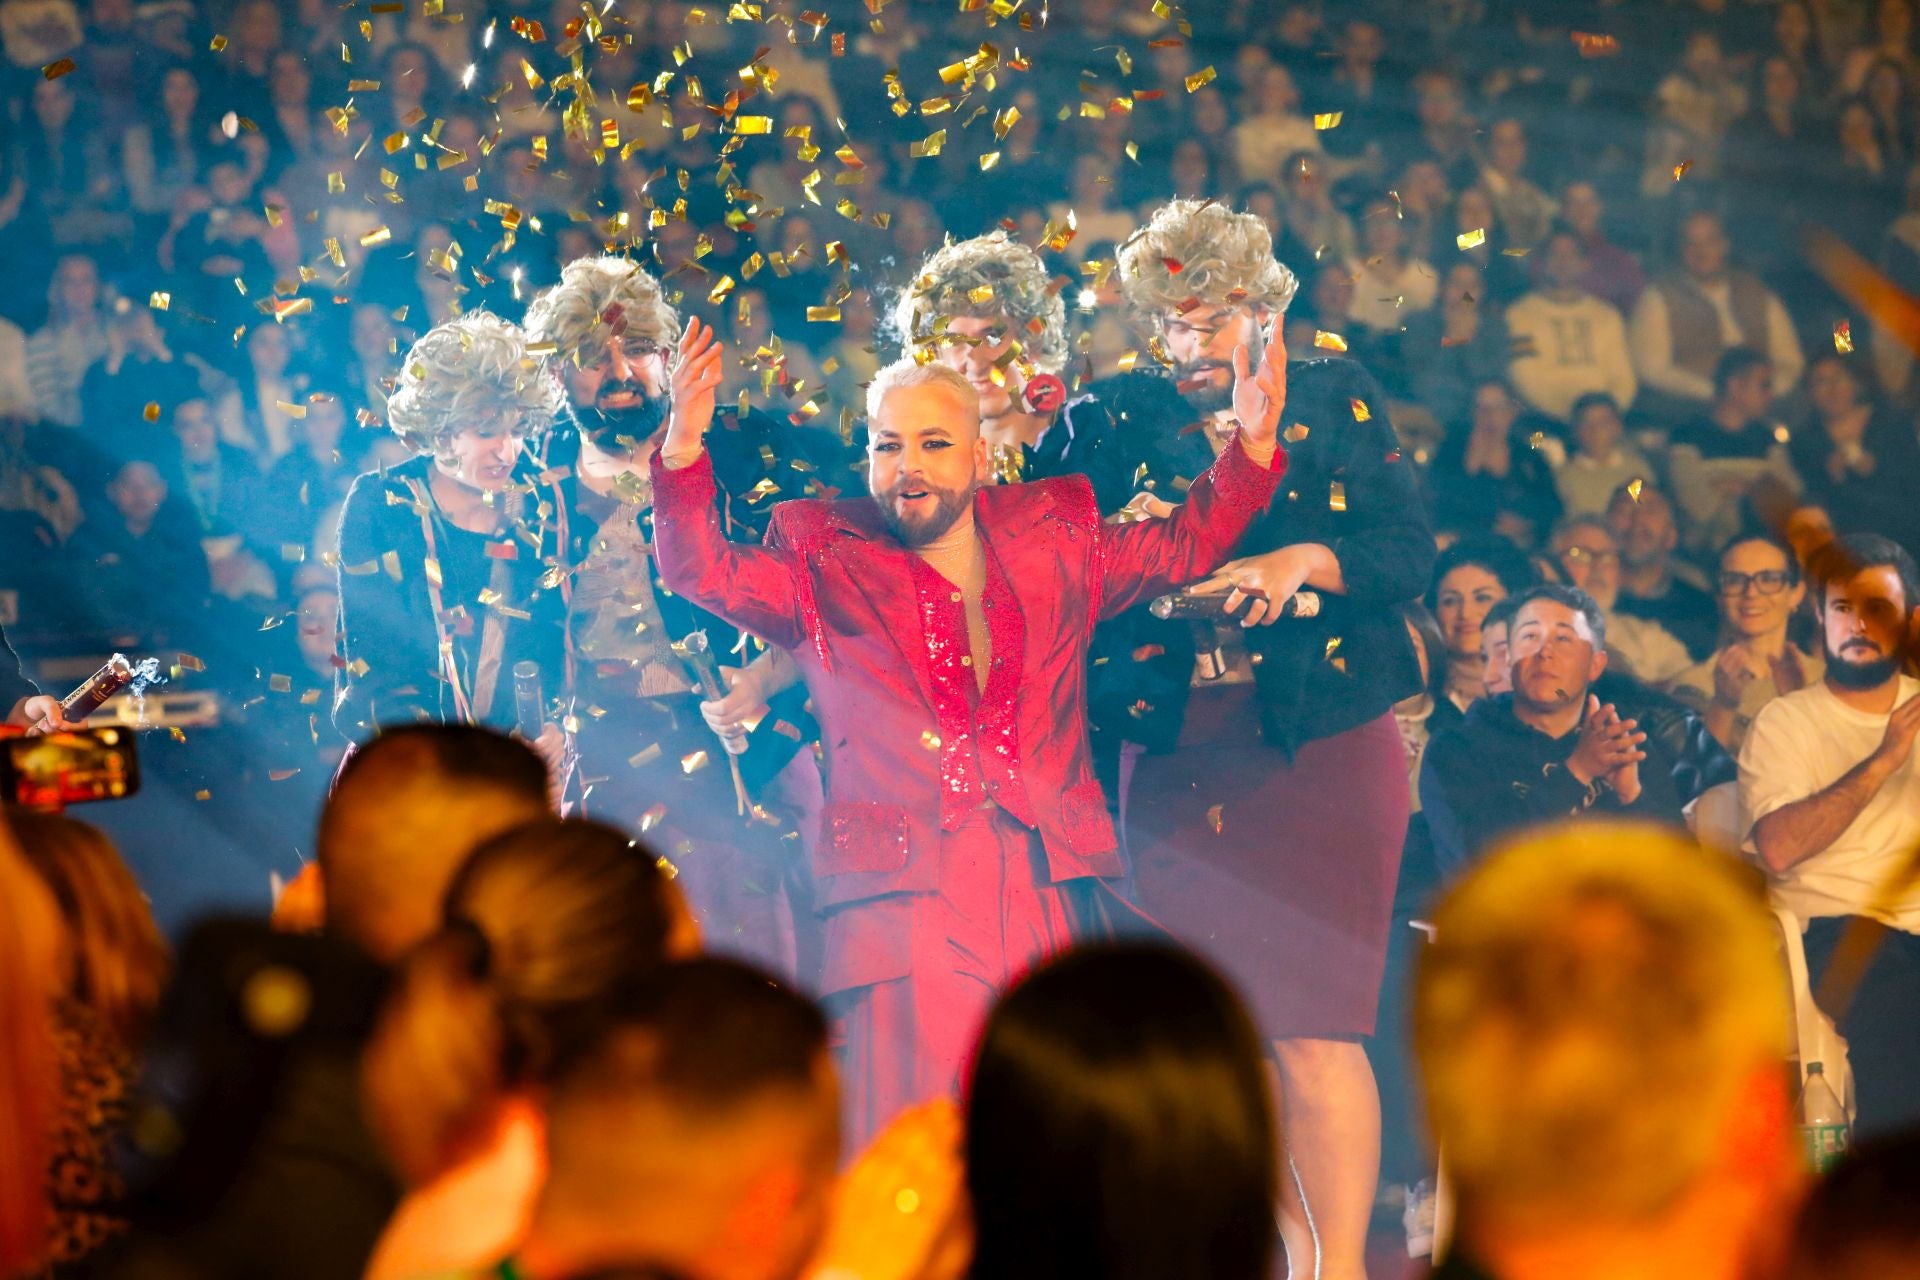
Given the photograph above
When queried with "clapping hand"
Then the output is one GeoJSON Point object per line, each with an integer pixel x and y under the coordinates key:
{"type": "Point", "coordinates": [697, 373]}
{"type": "Point", "coordinates": [1609, 749]}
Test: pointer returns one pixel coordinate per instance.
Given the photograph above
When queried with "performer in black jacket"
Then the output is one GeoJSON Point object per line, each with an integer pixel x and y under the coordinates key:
{"type": "Point", "coordinates": [648, 759]}
{"type": "Point", "coordinates": [1266, 813]}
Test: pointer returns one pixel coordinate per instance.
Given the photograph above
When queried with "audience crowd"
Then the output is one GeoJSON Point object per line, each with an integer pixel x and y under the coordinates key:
{"type": "Point", "coordinates": [1612, 264]}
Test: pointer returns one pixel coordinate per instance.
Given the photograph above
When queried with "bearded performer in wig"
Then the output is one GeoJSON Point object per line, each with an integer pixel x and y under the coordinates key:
{"type": "Point", "coordinates": [1267, 797]}
{"type": "Point", "coordinates": [942, 627]}
{"type": "Point", "coordinates": [648, 759]}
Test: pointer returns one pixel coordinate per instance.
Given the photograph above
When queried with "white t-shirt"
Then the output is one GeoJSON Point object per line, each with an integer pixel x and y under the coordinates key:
{"type": "Point", "coordinates": [1803, 742]}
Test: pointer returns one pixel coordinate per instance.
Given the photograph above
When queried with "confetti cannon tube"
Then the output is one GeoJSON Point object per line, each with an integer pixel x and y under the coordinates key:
{"type": "Point", "coordinates": [113, 676]}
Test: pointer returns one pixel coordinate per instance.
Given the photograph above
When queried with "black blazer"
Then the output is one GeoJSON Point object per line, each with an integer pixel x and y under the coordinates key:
{"type": "Point", "coordinates": [1347, 486]}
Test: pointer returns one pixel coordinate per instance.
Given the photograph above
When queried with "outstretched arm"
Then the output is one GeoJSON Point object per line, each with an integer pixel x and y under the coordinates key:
{"type": "Point", "coordinates": [1152, 556]}
{"type": "Point", "coordinates": [757, 589]}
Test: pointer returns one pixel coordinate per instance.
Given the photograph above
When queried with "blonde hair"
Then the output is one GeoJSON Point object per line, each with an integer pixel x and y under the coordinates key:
{"type": "Point", "coordinates": [598, 299]}
{"type": "Point", "coordinates": [1200, 250]}
{"type": "Point", "coordinates": [120, 961]}
{"type": "Point", "coordinates": [472, 370]}
{"type": "Point", "coordinates": [30, 942]}
{"type": "Point", "coordinates": [991, 276]}
{"type": "Point", "coordinates": [1594, 1008]}
{"type": "Point", "coordinates": [909, 372]}
{"type": "Point", "coordinates": [537, 929]}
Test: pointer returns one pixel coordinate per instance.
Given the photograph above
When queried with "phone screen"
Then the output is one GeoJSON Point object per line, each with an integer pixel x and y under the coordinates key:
{"type": "Point", "coordinates": [54, 770]}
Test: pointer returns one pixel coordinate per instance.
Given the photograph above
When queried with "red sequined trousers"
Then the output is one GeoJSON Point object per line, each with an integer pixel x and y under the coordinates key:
{"type": "Point", "coordinates": [992, 917]}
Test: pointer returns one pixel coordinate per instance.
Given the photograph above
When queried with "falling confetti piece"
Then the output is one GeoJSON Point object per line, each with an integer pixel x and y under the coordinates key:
{"type": "Point", "coordinates": [1471, 239]}
{"type": "Point", "coordinates": [1327, 120]}
{"type": "Point", "coordinates": [152, 412]}
{"type": "Point", "coordinates": [930, 740]}
{"type": "Point", "coordinates": [1633, 488]}
{"type": "Point", "coordinates": [1200, 78]}
{"type": "Point", "coordinates": [1328, 341]}
{"type": "Point", "coordinates": [1593, 45]}
{"type": "Point", "coordinates": [1843, 337]}
{"type": "Point", "coordinates": [54, 70]}
{"type": "Point", "coordinates": [1337, 497]}
{"type": "Point", "coordinates": [1213, 817]}
{"type": "Point", "coordinates": [1681, 168]}
{"type": "Point", "coordinates": [1360, 411]}
{"type": "Point", "coordinates": [1295, 433]}
{"type": "Point", "coordinates": [693, 761]}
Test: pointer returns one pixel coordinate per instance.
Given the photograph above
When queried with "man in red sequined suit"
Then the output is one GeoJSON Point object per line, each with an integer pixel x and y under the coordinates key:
{"type": "Point", "coordinates": [942, 627]}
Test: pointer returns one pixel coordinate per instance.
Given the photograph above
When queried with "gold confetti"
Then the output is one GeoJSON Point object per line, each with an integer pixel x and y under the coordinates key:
{"type": "Point", "coordinates": [1213, 817]}
{"type": "Point", "coordinates": [54, 70]}
{"type": "Point", "coordinates": [823, 314]}
{"type": "Point", "coordinates": [218, 44]}
{"type": "Point", "coordinates": [1204, 76]}
{"type": "Point", "coordinates": [1328, 341]}
{"type": "Point", "coordinates": [1327, 120]}
{"type": "Point", "coordinates": [646, 757]}
{"type": "Point", "coordinates": [1360, 411]}
{"type": "Point", "coordinates": [1295, 433]}
{"type": "Point", "coordinates": [753, 124]}
{"type": "Point", "coordinates": [1843, 337]}
{"type": "Point", "coordinates": [1471, 239]}
{"type": "Point", "coordinates": [152, 412]}
{"type": "Point", "coordinates": [291, 410]}
{"type": "Point", "coordinates": [1681, 168]}
{"type": "Point", "coordinates": [159, 301]}
{"type": "Point", "coordinates": [280, 684]}
{"type": "Point", "coordinates": [930, 740]}
{"type": "Point", "coordinates": [1633, 488]}
{"type": "Point", "coordinates": [1337, 497]}
{"type": "Point", "coordinates": [379, 235]}
{"type": "Point", "coordinates": [1592, 45]}
{"type": "Point", "coordinates": [693, 761]}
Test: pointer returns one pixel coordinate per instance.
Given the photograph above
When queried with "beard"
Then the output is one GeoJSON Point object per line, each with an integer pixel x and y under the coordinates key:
{"type": "Point", "coordinates": [914, 533]}
{"type": "Point", "coordinates": [1851, 674]}
{"type": "Point", "coordinates": [610, 429]}
{"type": "Point", "coordinates": [1195, 381]}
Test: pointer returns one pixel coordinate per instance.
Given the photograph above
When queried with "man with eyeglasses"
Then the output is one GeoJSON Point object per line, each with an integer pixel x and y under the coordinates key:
{"type": "Point", "coordinates": [1548, 750]}
{"type": "Point", "coordinates": [1587, 552]}
{"type": "Point", "coordinates": [648, 759]}
{"type": "Point", "coordinates": [1830, 779]}
{"type": "Point", "coordinates": [1759, 588]}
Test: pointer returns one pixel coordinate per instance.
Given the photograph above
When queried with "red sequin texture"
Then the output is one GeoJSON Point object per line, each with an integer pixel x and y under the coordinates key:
{"type": "Point", "coordinates": [979, 732]}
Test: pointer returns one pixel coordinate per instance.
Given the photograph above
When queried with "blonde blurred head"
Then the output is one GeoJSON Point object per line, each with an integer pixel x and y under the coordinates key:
{"type": "Point", "coordinates": [31, 944]}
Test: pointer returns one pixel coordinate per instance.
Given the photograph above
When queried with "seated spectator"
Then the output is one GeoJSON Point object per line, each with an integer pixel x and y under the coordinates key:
{"type": "Point", "coordinates": [1588, 554]}
{"type": "Point", "coordinates": [75, 335]}
{"type": "Point", "coordinates": [1496, 646]}
{"type": "Point", "coordinates": [1600, 1023]}
{"type": "Point", "coordinates": [1760, 589]}
{"type": "Point", "coordinates": [1314, 229]}
{"type": "Point", "coordinates": [217, 479]}
{"type": "Point", "coordinates": [1829, 778]}
{"type": "Point", "coordinates": [1490, 476]}
{"type": "Point", "coordinates": [1601, 462]}
{"type": "Point", "coordinates": [1273, 130]}
{"type": "Point", "coordinates": [1119, 1124]}
{"type": "Point", "coordinates": [1697, 102]}
{"type": "Point", "coordinates": [1858, 457]}
{"type": "Point", "coordinates": [1469, 579]}
{"type": "Point", "coordinates": [1859, 1219]}
{"type": "Point", "coordinates": [1453, 347]}
{"type": "Point", "coordinates": [139, 566]}
{"type": "Point", "coordinates": [34, 489]}
{"type": "Point", "coordinates": [539, 927]}
{"type": "Point", "coordinates": [1390, 282]}
{"type": "Point", "coordinates": [1548, 750]}
{"type": "Point", "coordinates": [115, 966]}
{"type": "Point", "coordinates": [1688, 319]}
{"type": "Point", "coordinates": [694, 1133]}
{"type": "Point", "coordinates": [1717, 460]}
{"type": "Point", "coordinates": [1655, 583]}
{"type": "Point", "coordinates": [408, 809]}
{"type": "Point", "coordinates": [140, 368]}
{"type": "Point", "coordinates": [1613, 274]}
{"type": "Point", "coordinates": [259, 414]}
{"type": "Point", "coordinates": [1522, 207]}
{"type": "Point", "coordinates": [32, 945]}
{"type": "Point", "coordinates": [1566, 342]}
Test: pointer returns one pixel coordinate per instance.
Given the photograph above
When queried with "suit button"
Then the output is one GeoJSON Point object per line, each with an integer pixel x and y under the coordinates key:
{"type": "Point", "coordinates": [955, 597]}
{"type": "Point", "coordinates": [966, 660]}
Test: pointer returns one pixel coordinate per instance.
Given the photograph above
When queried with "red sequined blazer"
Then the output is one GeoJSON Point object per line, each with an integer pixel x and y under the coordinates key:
{"type": "Point", "coordinates": [906, 757]}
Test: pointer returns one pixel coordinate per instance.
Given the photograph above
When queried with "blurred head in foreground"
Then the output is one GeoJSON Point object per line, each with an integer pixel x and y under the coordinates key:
{"type": "Point", "coordinates": [1601, 1028]}
{"type": "Point", "coordinates": [1119, 1125]}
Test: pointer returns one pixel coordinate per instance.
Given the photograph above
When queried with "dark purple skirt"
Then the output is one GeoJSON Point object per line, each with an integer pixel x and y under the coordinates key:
{"type": "Point", "coordinates": [1281, 874]}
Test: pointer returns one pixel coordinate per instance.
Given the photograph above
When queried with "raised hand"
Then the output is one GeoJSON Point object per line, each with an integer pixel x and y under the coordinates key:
{"type": "Point", "coordinates": [697, 372]}
{"type": "Point", "coordinates": [1260, 394]}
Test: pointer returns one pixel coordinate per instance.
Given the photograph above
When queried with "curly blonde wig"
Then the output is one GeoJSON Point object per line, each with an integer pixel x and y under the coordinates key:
{"type": "Point", "coordinates": [1202, 250]}
{"type": "Point", "coordinates": [598, 299]}
{"type": "Point", "coordinates": [990, 277]}
{"type": "Point", "coordinates": [472, 370]}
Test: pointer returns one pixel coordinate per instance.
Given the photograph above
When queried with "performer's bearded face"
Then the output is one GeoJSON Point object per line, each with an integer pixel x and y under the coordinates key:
{"type": "Point", "coordinates": [621, 395]}
{"type": "Point", "coordinates": [925, 462]}
{"type": "Point", "coordinates": [1201, 342]}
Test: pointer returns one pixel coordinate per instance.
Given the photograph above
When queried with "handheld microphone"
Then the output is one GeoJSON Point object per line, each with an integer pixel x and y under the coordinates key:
{"type": "Point", "coordinates": [1181, 604]}
{"type": "Point", "coordinates": [698, 654]}
{"type": "Point", "coordinates": [529, 703]}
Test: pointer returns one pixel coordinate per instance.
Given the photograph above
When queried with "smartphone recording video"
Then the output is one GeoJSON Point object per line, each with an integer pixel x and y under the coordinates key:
{"type": "Point", "coordinates": [54, 770]}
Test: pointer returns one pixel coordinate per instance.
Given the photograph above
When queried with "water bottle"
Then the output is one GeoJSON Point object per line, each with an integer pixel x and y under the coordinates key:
{"type": "Point", "coordinates": [1823, 1121]}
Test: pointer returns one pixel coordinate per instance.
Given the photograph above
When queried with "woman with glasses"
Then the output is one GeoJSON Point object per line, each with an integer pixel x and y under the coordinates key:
{"type": "Point", "coordinates": [452, 566]}
{"type": "Point", "coordinates": [1759, 588]}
